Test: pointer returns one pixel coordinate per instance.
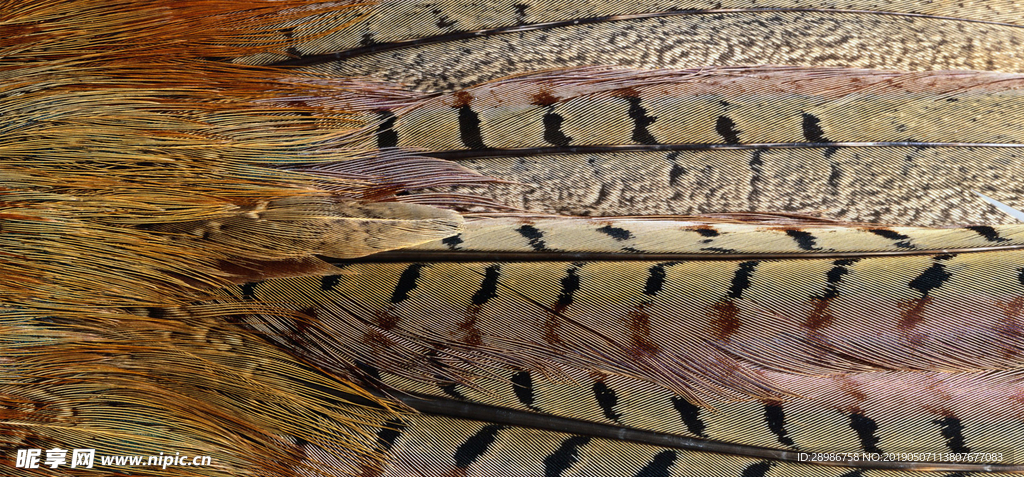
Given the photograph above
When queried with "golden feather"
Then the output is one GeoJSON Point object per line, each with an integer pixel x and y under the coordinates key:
{"type": "Point", "coordinates": [521, 238]}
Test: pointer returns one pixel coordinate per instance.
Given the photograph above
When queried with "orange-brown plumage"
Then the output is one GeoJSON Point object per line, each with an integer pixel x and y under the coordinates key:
{"type": "Point", "coordinates": [204, 256]}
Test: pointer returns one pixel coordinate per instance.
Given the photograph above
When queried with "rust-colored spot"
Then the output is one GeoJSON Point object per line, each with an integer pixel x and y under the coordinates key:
{"type": "Point", "coordinates": [820, 316]}
{"type": "Point", "coordinates": [854, 410]}
{"type": "Point", "coordinates": [936, 390]}
{"type": "Point", "coordinates": [302, 322]}
{"type": "Point", "coordinates": [1010, 328]}
{"type": "Point", "coordinates": [544, 98]}
{"type": "Point", "coordinates": [462, 98]}
{"type": "Point", "coordinates": [1018, 398]}
{"type": "Point", "coordinates": [627, 92]}
{"type": "Point", "coordinates": [550, 326]}
{"type": "Point", "coordinates": [639, 323]}
{"type": "Point", "coordinates": [911, 315]}
{"type": "Point", "coordinates": [471, 335]}
{"type": "Point", "coordinates": [705, 230]}
{"type": "Point", "coordinates": [941, 411]}
{"type": "Point", "coordinates": [456, 472]}
{"type": "Point", "coordinates": [1013, 308]}
{"type": "Point", "coordinates": [377, 340]}
{"type": "Point", "coordinates": [381, 192]}
{"type": "Point", "coordinates": [851, 388]}
{"type": "Point", "coordinates": [724, 319]}
{"type": "Point", "coordinates": [386, 319]}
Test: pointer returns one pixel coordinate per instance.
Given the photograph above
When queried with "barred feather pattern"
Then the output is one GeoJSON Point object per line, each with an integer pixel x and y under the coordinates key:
{"type": "Point", "coordinates": [447, 238]}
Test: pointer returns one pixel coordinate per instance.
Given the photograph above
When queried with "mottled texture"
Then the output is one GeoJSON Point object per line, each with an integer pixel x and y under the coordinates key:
{"type": "Point", "coordinates": [885, 185]}
{"type": "Point", "coordinates": [758, 38]}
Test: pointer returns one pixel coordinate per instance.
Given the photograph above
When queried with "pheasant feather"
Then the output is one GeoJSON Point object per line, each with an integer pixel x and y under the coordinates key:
{"type": "Point", "coordinates": [510, 238]}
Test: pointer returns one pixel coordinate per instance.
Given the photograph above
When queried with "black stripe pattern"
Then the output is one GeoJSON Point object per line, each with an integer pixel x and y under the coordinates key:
{"type": "Point", "coordinates": [607, 399]}
{"type": "Point", "coordinates": [476, 446]}
{"type": "Point", "coordinates": [565, 456]}
{"type": "Point", "coordinates": [865, 428]}
{"type": "Point", "coordinates": [775, 417]}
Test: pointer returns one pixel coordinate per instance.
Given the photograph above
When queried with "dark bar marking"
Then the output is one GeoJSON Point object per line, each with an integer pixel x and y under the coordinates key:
{"type": "Point", "coordinates": [452, 242]}
{"type": "Point", "coordinates": [989, 233]}
{"type": "Point", "coordinates": [328, 282]}
{"type": "Point", "coordinates": [452, 390]}
{"type": "Point", "coordinates": [726, 128]}
{"type": "Point", "coordinates": [659, 466]}
{"type": "Point", "coordinates": [805, 240]}
{"type": "Point", "coordinates": [616, 232]}
{"type": "Point", "coordinates": [930, 279]}
{"type": "Point", "coordinates": [759, 469]}
{"type": "Point", "coordinates": [904, 241]}
{"type": "Point", "coordinates": [640, 122]}
{"type": "Point", "coordinates": [570, 285]}
{"type": "Point", "coordinates": [472, 335]}
{"type": "Point", "coordinates": [741, 280]}
{"type": "Point", "coordinates": [854, 473]}
{"type": "Point", "coordinates": [476, 446]}
{"type": "Point", "coordinates": [488, 287]}
{"type": "Point", "coordinates": [724, 313]}
{"type": "Point", "coordinates": [565, 456]}
{"type": "Point", "coordinates": [865, 428]}
{"type": "Point", "coordinates": [655, 279]}
{"type": "Point", "coordinates": [406, 283]}
{"type": "Point", "coordinates": [690, 415]}
{"type": "Point", "coordinates": [775, 417]}
{"type": "Point", "coordinates": [522, 386]}
{"type": "Point", "coordinates": [588, 429]}
{"type": "Point", "coordinates": [835, 276]}
{"type": "Point", "coordinates": [249, 289]}
{"type": "Point", "coordinates": [469, 128]}
{"type": "Point", "coordinates": [553, 128]}
{"type": "Point", "coordinates": [534, 237]}
{"type": "Point", "coordinates": [814, 133]}
{"type": "Point", "coordinates": [607, 399]}
{"type": "Point", "coordinates": [389, 432]}
{"type": "Point", "coordinates": [812, 128]}
{"type": "Point", "coordinates": [706, 231]}
{"type": "Point", "coordinates": [387, 136]}
{"type": "Point", "coordinates": [952, 430]}
{"type": "Point", "coordinates": [717, 249]}
{"type": "Point", "coordinates": [756, 169]}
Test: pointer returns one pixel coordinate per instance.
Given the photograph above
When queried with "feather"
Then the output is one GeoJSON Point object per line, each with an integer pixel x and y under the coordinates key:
{"type": "Point", "coordinates": [453, 238]}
